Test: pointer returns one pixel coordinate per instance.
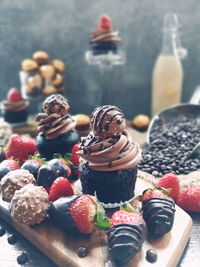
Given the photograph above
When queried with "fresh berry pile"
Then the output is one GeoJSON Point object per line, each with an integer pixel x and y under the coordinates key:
{"type": "Point", "coordinates": [170, 147]}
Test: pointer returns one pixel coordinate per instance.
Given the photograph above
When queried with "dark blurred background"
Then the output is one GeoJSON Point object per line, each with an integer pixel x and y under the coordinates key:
{"type": "Point", "coordinates": [62, 28]}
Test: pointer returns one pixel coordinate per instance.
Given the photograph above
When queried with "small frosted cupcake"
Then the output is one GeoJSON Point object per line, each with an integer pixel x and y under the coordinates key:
{"type": "Point", "coordinates": [56, 134]}
{"type": "Point", "coordinates": [15, 108]}
{"type": "Point", "coordinates": [104, 39]}
{"type": "Point", "coordinates": [109, 158]}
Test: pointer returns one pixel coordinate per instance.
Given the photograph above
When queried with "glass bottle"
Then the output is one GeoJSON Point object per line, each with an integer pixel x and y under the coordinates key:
{"type": "Point", "coordinates": [168, 73]}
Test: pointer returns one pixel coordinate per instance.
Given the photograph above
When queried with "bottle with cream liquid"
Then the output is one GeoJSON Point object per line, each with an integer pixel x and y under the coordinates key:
{"type": "Point", "coordinates": [168, 73]}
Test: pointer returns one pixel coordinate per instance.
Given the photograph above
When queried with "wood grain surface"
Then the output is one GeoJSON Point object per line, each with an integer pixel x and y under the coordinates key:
{"type": "Point", "coordinates": [60, 247]}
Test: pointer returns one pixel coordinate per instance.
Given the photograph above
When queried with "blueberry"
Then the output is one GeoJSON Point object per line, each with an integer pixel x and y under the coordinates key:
{"type": "Point", "coordinates": [2, 231]}
{"type": "Point", "coordinates": [23, 258]}
{"type": "Point", "coordinates": [2, 155]}
{"type": "Point", "coordinates": [4, 171]}
{"type": "Point", "coordinates": [45, 176]}
{"type": "Point", "coordinates": [82, 252]}
{"type": "Point", "coordinates": [58, 168]}
{"type": "Point", "coordinates": [31, 167]}
{"type": "Point", "coordinates": [12, 239]}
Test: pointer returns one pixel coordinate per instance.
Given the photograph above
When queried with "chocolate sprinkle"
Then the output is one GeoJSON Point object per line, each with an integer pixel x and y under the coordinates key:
{"type": "Point", "coordinates": [82, 252]}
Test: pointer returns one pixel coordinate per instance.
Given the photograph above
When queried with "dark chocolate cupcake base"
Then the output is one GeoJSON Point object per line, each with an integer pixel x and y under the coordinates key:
{"type": "Point", "coordinates": [100, 48]}
{"type": "Point", "coordinates": [61, 145]}
{"type": "Point", "coordinates": [15, 117]}
{"type": "Point", "coordinates": [111, 187]}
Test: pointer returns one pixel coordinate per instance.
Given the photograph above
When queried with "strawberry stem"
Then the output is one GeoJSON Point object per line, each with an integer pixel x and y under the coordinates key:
{"type": "Point", "coordinates": [102, 221]}
{"type": "Point", "coordinates": [128, 207]}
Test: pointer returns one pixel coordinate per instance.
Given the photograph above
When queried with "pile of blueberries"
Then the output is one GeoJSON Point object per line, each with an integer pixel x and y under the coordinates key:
{"type": "Point", "coordinates": [170, 148]}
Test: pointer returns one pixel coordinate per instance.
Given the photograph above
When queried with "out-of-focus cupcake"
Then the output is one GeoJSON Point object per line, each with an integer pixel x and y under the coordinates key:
{"type": "Point", "coordinates": [109, 158]}
{"type": "Point", "coordinates": [56, 128]}
{"type": "Point", "coordinates": [104, 39]}
{"type": "Point", "coordinates": [15, 108]}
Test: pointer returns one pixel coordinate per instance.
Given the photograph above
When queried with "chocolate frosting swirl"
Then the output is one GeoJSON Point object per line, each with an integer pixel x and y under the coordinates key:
{"type": "Point", "coordinates": [55, 121]}
{"type": "Point", "coordinates": [15, 106]}
{"type": "Point", "coordinates": [119, 153]}
{"type": "Point", "coordinates": [105, 35]}
{"type": "Point", "coordinates": [158, 214]}
{"type": "Point", "coordinates": [124, 241]}
{"type": "Point", "coordinates": [109, 146]}
{"type": "Point", "coordinates": [54, 125]}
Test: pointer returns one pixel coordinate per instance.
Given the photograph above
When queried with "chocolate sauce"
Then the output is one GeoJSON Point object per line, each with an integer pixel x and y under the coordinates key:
{"type": "Point", "coordinates": [60, 215]}
{"type": "Point", "coordinates": [2, 231]}
{"type": "Point", "coordinates": [159, 215]}
{"type": "Point", "coordinates": [124, 241]}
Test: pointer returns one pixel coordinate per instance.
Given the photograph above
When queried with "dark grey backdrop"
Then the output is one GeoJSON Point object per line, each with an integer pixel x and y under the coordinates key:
{"type": "Point", "coordinates": [62, 27]}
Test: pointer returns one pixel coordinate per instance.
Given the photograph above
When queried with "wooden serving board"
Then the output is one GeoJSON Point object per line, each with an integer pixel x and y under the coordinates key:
{"type": "Point", "coordinates": [62, 248]}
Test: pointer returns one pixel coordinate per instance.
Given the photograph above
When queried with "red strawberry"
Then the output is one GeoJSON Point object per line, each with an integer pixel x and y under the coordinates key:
{"type": "Point", "coordinates": [60, 187]}
{"type": "Point", "coordinates": [105, 22]}
{"type": "Point", "coordinates": [123, 216]}
{"type": "Point", "coordinates": [79, 214]}
{"type": "Point", "coordinates": [29, 144]}
{"type": "Point", "coordinates": [14, 95]}
{"type": "Point", "coordinates": [75, 160]}
{"type": "Point", "coordinates": [154, 192]}
{"type": "Point", "coordinates": [10, 163]}
{"type": "Point", "coordinates": [83, 211]}
{"type": "Point", "coordinates": [190, 199]}
{"type": "Point", "coordinates": [171, 181]}
{"type": "Point", "coordinates": [16, 149]}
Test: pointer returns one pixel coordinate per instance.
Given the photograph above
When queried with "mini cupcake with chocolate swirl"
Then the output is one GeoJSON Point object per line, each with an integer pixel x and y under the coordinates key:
{"type": "Point", "coordinates": [109, 158]}
{"type": "Point", "coordinates": [56, 134]}
{"type": "Point", "coordinates": [15, 108]}
{"type": "Point", "coordinates": [104, 39]}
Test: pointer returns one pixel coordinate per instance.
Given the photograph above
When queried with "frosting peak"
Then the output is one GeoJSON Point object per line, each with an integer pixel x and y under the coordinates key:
{"type": "Point", "coordinates": [55, 120]}
{"type": "Point", "coordinates": [107, 121]}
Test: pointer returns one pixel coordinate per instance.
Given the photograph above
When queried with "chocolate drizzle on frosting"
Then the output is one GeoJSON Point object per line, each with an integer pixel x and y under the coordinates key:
{"type": "Point", "coordinates": [158, 213]}
{"type": "Point", "coordinates": [124, 241]}
{"type": "Point", "coordinates": [55, 120]}
{"type": "Point", "coordinates": [109, 148]}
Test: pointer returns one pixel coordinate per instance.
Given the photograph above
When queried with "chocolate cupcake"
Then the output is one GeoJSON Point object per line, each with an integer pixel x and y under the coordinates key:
{"type": "Point", "coordinates": [103, 39]}
{"type": "Point", "coordinates": [15, 108]}
{"type": "Point", "coordinates": [109, 158]}
{"type": "Point", "coordinates": [56, 134]}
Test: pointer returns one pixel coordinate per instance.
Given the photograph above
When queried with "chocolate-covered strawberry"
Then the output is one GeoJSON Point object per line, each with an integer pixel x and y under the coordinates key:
{"type": "Point", "coordinates": [126, 236]}
{"type": "Point", "coordinates": [78, 214]}
{"type": "Point", "coordinates": [158, 211]}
